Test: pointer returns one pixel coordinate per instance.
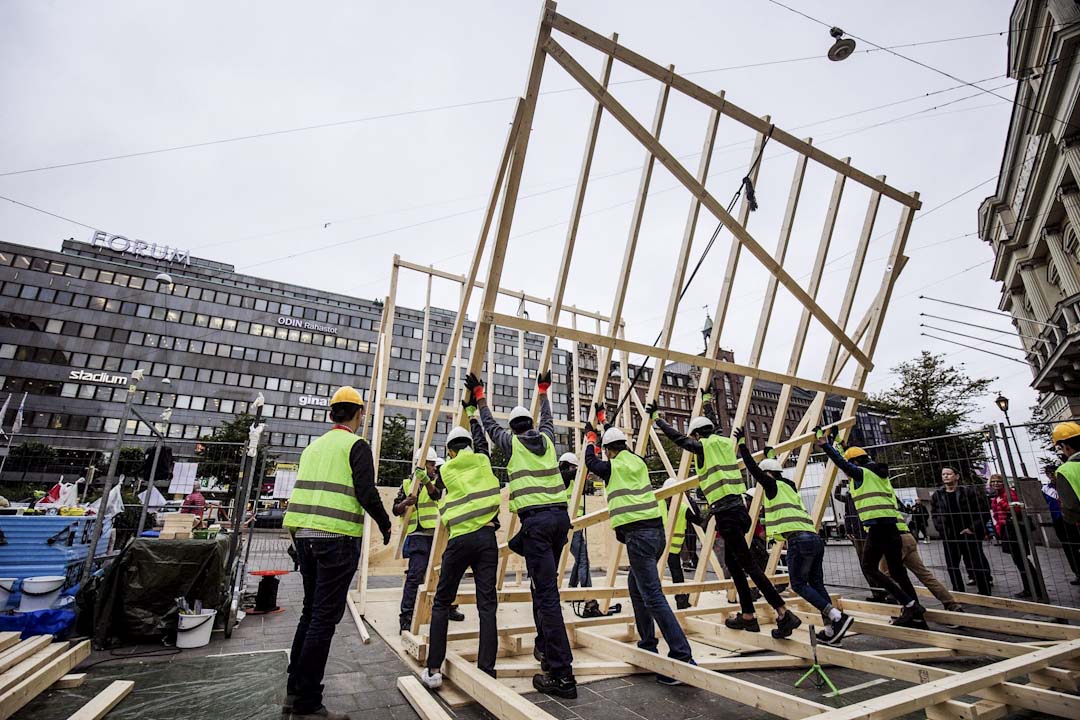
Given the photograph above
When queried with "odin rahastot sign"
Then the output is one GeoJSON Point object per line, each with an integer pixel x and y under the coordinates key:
{"type": "Point", "coordinates": [121, 244]}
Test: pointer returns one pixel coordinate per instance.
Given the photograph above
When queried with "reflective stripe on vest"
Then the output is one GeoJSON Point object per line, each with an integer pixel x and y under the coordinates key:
{"type": "Point", "coordinates": [679, 535]}
{"type": "Point", "coordinates": [534, 479]}
{"type": "Point", "coordinates": [874, 497]}
{"type": "Point", "coordinates": [721, 476]}
{"type": "Point", "coordinates": [630, 497]}
{"type": "Point", "coordinates": [1069, 471]}
{"type": "Point", "coordinates": [323, 497]}
{"type": "Point", "coordinates": [425, 512]}
{"type": "Point", "coordinates": [472, 496]}
{"type": "Point", "coordinates": [785, 513]}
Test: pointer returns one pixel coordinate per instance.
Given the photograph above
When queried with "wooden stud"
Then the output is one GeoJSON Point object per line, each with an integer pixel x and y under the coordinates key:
{"type": "Point", "coordinates": [358, 619]}
{"type": "Point", "coordinates": [1021, 606]}
{"type": "Point", "coordinates": [71, 680]}
{"type": "Point", "coordinates": [365, 561]}
{"type": "Point", "coordinates": [423, 702]}
{"type": "Point", "coordinates": [1014, 626]}
{"type": "Point", "coordinates": [8, 639]}
{"type": "Point", "coordinates": [22, 651]}
{"type": "Point", "coordinates": [499, 700]}
{"type": "Point", "coordinates": [14, 699]}
{"type": "Point", "coordinates": [16, 674]}
{"type": "Point", "coordinates": [104, 701]}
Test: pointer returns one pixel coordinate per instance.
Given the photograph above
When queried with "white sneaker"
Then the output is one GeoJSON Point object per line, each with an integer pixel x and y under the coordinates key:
{"type": "Point", "coordinates": [431, 680]}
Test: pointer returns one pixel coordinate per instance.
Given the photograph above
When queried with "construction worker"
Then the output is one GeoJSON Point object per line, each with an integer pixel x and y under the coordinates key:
{"type": "Point", "coordinates": [678, 537]}
{"type": "Point", "coordinates": [635, 516]}
{"type": "Point", "coordinates": [470, 511]}
{"type": "Point", "coordinates": [722, 482]}
{"type": "Point", "coordinates": [421, 494]}
{"type": "Point", "coordinates": [909, 551]}
{"type": "Point", "coordinates": [1066, 437]}
{"type": "Point", "coordinates": [875, 501]}
{"type": "Point", "coordinates": [538, 496]}
{"type": "Point", "coordinates": [335, 486]}
{"type": "Point", "coordinates": [580, 574]}
{"type": "Point", "coordinates": [786, 521]}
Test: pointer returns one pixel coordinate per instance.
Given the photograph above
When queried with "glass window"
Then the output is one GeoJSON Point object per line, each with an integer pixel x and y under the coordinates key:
{"type": "Point", "coordinates": [54, 326]}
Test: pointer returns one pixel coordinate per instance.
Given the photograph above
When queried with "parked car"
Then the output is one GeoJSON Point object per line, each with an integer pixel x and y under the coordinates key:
{"type": "Point", "coordinates": [269, 518]}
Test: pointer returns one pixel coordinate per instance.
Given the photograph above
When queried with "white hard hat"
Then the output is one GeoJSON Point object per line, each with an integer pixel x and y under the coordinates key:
{"type": "Point", "coordinates": [669, 482]}
{"type": "Point", "coordinates": [432, 456]}
{"type": "Point", "coordinates": [700, 423]}
{"type": "Point", "coordinates": [771, 464]}
{"type": "Point", "coordinates": [751, 492]}
{"type": "Point", "coordinates": [520, 412]}
{"type": "Point", "coordinates": [458, 433]}
{"type": "Point", "coordinates": [568, 457]}
{"type": "Point", "coordinates": [440, 462]}
{"type": "Point", "coordinates": [613, 435]}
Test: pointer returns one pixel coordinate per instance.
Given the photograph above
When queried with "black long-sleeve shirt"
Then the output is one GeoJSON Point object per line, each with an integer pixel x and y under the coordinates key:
{"type": "Point", "coordinates": [684, 441]}
{"type": "Point", "coordinates": [363, 477]}
{"type": "Point", "coordinates": [764, 479]}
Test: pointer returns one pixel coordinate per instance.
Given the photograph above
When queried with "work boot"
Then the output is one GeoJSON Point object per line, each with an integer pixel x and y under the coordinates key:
{"type": "Point", "coordinates": [455, 614]}
{"type": "Point", "coordinates": [559, 687]}
{"type": "Point", "coordinates": [786, 625]}
{"type": "Point", "coordinates": [910, 615]}
{"type": "Point", "coordinates": [740, 623]}
{"type": "Point", "coordinates": [682, 602]}
{"type": "Point", "coordinates": [321, 714]}
{"type": "Point", "coordinates": [431, 679]}
{"type": "Point", "coordinates": [286, 707]}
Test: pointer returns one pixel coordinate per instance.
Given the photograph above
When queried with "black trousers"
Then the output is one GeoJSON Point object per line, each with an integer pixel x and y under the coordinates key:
{"type": "Point", "coordinates": [674, 566]}
{"type": "Point", "coordinates": [883, 540]}
{"type": "Point", "coordinates": [1069, 535]}
{"type": "Point", "coordinates": [541, 539]}
{"type": "Point", "coordinates": [732, 525]}
{"type": "Point", "coordinates": [1015, 550]}
{"type": "Point", "coordinates": [967, 549]}
{"type": "Point", "coordinates": [478, 550]}
{"type": "Point", "coordinates": [327, 566]}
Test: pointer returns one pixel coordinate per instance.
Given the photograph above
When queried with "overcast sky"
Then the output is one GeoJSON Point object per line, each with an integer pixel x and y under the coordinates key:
{"type": "Point", "coordinates": [403, 173]}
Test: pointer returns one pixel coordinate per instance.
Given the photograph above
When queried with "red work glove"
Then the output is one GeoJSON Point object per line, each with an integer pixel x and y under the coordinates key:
{"type": "Point", "coordinates": [590, 433]}
{"type": "Point", "coordinates": [543, 381]}
{"type": "Point", "coordinates": [475, 386]}
{"type": "Point", "coordinates": [601, 413]}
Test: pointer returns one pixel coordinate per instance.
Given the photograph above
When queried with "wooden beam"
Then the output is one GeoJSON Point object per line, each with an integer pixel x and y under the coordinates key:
{"type": "Point", "coordinates": [728, 686]}
{"type": "Point", "coordinates": [936, 691]}
{"type": "Point", "coordinates": [104, 701]}
{"type": "Point", "coordinates": [710, 99]}
{"type": "Point", "coordinates": [611, 342]}
{"type": "Point", "coordinates": [496, 698]}
{"type": "Point", "coordinates": [358, 619]}
{"type": "Point", "coordinates": [14, 699]}
{"type": "Point", "coordinates": [467, 596]}
{"type": "Point", "coordinates": [423, 702]}
{"type": "Point", "coordinates": [1021, 606]}
{"type": "Point", "coordinates": [8, 639]}
{"type": "Point", "coordinates": [1023, 696]}
{"type": "Point", "coordinates": [22, 651]}
{"type": "Point", "coordinates": [1010, 626]}
{"type": "Point", "coordinates": [71, 680]}
{"type": "Point", "coordinates": [15, 675]}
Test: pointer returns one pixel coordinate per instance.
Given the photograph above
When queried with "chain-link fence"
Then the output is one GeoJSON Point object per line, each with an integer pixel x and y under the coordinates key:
{"type": "Point", "coordinates": [982, 512]}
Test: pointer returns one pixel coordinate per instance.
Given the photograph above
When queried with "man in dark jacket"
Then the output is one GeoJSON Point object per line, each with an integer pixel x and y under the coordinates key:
{"type": "Point", "coordinates": [960, 515]}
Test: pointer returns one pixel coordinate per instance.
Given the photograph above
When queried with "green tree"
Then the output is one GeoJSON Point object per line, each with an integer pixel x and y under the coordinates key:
{"type": "Point", "coordinates": [31, 456]}
{"type": "Point", "coordinates": [130, 463]}
{"type": "Point", "coordinates": [220, 454]}
{"type": "Point", "coordinates": [395, 453]}
{"type": "Point", "coordinates": [1041, 435]}
{"type": "Point", "coordinates": [931, 399]}
{"type": "Point", "coordinates": [655, 463]}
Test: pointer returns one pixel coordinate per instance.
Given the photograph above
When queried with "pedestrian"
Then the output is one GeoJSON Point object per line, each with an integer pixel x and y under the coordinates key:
{"type": "Point", "coordinates": [470, 511]}
{"type": "Point", "coordinates": [920, 518]}
{"type": "Point", "coordinates": [875, 501]}
{"type": "Point", "coordinates": [1015, 538]}
{"type": "Point", "coordinates": [1067, 533]}
{"type": "Point", "coordinates": [678, 538]}
{"type": "Point", "coordinates": [538, 496]}
{"type": "Point", "coordinates": [580, 574]}
{"type": "Point", "coordinates": [635, 517]}
{"type": "Point", "coordinates": [722, 482]}
{"type": "Point", "coordinates": [786, 521]}
{"type": "Point", "coordinates": [420, 493]}
{"type": "Point", "coordinates": [960, 516]}
{"type": "Point", "coordinates": [335, 486]}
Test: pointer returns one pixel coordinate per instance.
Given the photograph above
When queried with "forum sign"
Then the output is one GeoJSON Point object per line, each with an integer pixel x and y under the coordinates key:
{"type": "Point", "coordinates": [141, 248]}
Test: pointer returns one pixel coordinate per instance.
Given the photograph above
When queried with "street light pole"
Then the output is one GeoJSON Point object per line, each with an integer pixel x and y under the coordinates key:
{"type": "Point", "coordinates": [1003, 404]}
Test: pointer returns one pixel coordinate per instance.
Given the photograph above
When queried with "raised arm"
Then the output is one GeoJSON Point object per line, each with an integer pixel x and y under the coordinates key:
{"type": "Point", "coordinates": [684, 442]}
{"type": "Point", "coordinates": [828, 445]}
{"type": "Point", "coordinates": [499, 435]}
{"type": "Point", "coordinates": [596, 465]}
{"type": "Point", "coordinates": [764, 479]}
{"type": "Point", "coordinates": [547, 422]}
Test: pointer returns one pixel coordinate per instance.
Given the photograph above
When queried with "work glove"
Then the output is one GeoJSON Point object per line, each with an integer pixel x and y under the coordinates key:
{"type": "Point", "coordinates": [706, 396]}
{"type": "Point", "coordinates": [543, 381]}
{"type": "Point", "coordinates": [590, 433]}
{"type": "Point", "coordinates": [601, 413]}
{"type": "Point", "coordinates": [475, 386]}
{"type": "Point", "coordinates": [386, 536]}
{"type": "Point", "coordinates": [652, 411]}
{"type": "Point", "coordinates": [470, 408]}
{"type": "Point", "coordinates": [819, 436]}
{"type": "Point", "coordinates": [834, 433]}
{"type": "Point", "coordinates": [770, 452]}
{"type": "Point", "coordinates": [740, 436]}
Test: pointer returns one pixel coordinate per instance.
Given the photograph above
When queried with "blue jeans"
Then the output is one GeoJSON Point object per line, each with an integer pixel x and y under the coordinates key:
{"type": "Point", "coordinates": [805, 553]}
{"type": "Point", "coordinates": [580, 574]}
{"type": "Point", "coordinates": [417, 549]}
{"type": "Point", "coordinates": [644, 547]}
{"type": "Point", "coordinates": [327, 566]}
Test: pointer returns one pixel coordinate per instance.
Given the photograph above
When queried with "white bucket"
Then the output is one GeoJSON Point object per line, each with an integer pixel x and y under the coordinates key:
{"type": "Point", "coordinates": [7, 587]}
{"type": "Point", "coordinates": [39, 593]}
{"type": "Point", "coordinates": [193, 631]}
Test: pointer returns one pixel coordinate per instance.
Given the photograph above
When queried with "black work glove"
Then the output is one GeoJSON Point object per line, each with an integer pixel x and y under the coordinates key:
{"type": "Point", "coordinates": [386, 536]}
{"type": "Point", "coordinates": [652, 410]}
{"type": "Point", "coordinates": [834, 432]}
{"type": "Point", "coordinates": [475, 386]}
{"type": "Point", "coordinates": [543, 381]}
{"type": "Point", "coordinates": [740, 436]}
